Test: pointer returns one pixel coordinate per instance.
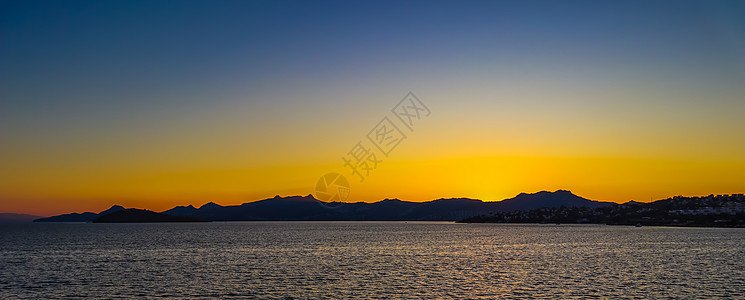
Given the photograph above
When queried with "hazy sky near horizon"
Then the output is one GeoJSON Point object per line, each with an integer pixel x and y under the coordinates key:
{"type": "Point", "coordinates": [151, 104]}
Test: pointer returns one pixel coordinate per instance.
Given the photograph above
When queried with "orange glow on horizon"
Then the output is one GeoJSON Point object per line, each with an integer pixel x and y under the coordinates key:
{"type": "Point", "coordinates": [485, 178]}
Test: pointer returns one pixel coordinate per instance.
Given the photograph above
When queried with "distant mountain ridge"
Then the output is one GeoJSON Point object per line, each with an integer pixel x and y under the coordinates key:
{"type": "Point", "coordinates": [80, 217]}
{"type": "Point", "coordinates": [133, 215]}
{"type": "Point", "coordinates": [542, 199]}
{"type": "Point", "coordinates": [308, 208]}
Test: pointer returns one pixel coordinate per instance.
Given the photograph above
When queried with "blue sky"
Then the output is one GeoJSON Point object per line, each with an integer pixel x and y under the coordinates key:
{"type": "Point", "coordinates": [114, 90]}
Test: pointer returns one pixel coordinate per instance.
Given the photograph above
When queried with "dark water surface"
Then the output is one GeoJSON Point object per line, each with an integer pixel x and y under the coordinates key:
{"type": "Point", "coordinates": [368, 260]}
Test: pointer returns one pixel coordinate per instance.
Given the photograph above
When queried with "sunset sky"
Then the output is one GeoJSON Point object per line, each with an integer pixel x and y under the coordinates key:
{"type": "Point", "coordinates": [152, 104]}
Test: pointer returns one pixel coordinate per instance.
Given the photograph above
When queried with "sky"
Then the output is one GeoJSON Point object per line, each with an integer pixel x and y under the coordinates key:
{"type": "Point", "coordinates": [153, 104]}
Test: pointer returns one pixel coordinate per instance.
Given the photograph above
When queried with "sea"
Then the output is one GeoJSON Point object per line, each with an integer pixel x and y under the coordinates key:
{"type": "Point", "coordinates": [368, 260]}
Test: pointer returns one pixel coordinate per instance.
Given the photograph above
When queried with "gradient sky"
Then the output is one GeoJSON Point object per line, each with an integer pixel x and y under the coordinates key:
{"type": "Point", "coordinates": [152, 104]}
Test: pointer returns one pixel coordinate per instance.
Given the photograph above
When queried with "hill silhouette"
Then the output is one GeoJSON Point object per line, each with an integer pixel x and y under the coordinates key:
{"type": "Point", "coordinates": [133, 215]}
{"type": "Point", "coordinates": [296, 208]}
{"type": "Point", "coordinates": [80, 217]}
{"type": "Point", "coordinates": [709, 211]}
{"type": "Point", "coordinates": [541, 199]}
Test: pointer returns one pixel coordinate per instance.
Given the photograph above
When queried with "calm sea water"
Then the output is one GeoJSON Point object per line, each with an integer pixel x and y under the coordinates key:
{"type": "Point", "coordinates": [368, 260]}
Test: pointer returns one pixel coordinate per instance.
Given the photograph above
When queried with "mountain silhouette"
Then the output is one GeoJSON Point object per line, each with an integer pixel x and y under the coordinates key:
{"type": "Point", "coordinates": [182, 211]}
{"type": "Point", "coordinates": [210, 206]}
{"type": "Point", "coordinates": [80, 217]}
{"type": "Point", "coordinates": [133, 215]}
{"type": "Point", "coordinates": [309, 208]}
{"type": "Point", "coordinates": [112, 209]}
{"type": "Point", "coordinates": [297, 208]}
{"type": "Point", "coordinates": [542, 199]}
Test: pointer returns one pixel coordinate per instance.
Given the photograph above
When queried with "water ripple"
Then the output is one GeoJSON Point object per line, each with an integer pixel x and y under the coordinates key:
{"type": "Point", "coordinates": [367, 260]}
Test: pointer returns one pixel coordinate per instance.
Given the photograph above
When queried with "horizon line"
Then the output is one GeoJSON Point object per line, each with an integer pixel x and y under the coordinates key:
{"type": "Point", "coordinates": [442, 198]}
